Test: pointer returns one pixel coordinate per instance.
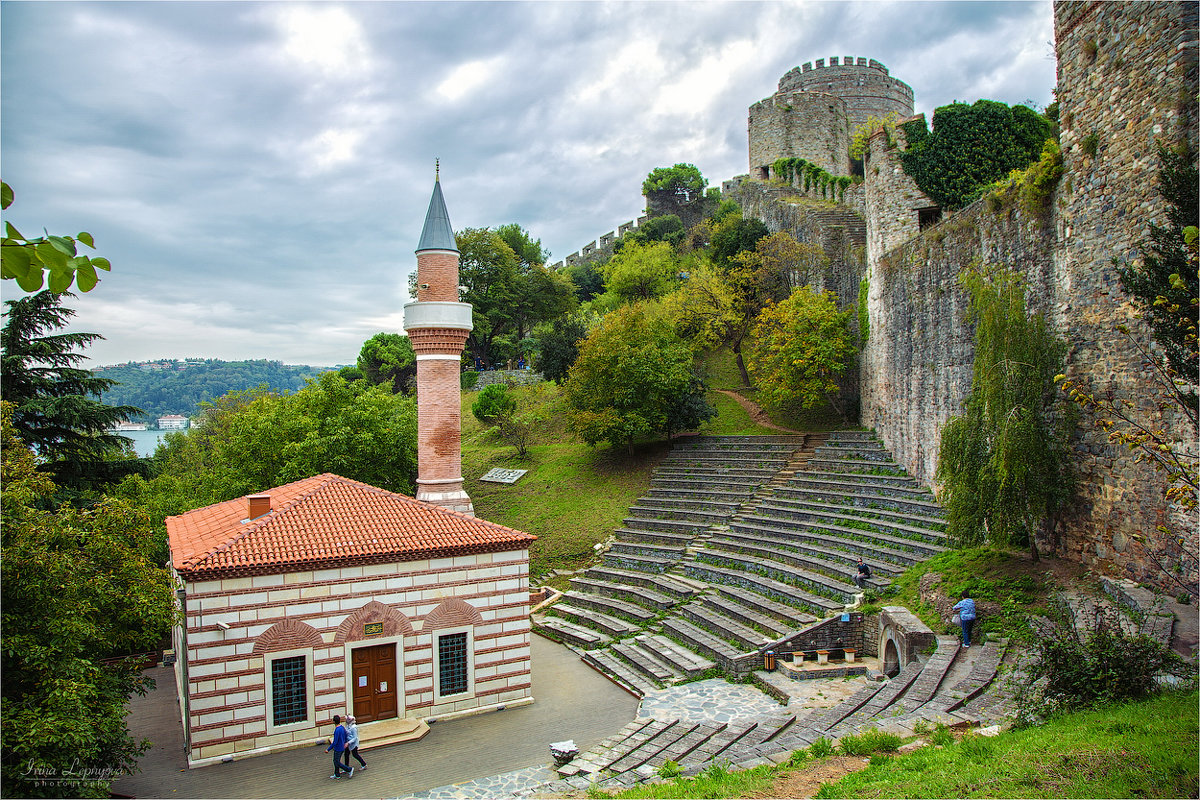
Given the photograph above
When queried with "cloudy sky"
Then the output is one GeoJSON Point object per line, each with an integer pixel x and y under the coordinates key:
{"type": "Point", "coordinates": [258, 172]}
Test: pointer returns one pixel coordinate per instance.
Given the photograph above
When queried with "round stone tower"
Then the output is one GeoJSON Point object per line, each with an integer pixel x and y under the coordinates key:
{"type": "Point", "coordinates": [438, 325]}
{"type": "Point", "coordinates": [816, 109]}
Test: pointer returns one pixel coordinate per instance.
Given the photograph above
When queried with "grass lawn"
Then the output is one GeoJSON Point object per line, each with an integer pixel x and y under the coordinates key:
{"type": "Point", "coordinates": [573, 496]}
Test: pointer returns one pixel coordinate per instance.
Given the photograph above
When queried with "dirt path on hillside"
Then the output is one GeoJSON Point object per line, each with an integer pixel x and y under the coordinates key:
{"type": "Point", "coordinates": [755, 411]}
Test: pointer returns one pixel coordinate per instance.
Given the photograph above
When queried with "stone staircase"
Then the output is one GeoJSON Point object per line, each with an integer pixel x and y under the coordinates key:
{"type": "Point", "coordinates": [954, 687]}
{"type": "Point", "coordinates": [742, 541]}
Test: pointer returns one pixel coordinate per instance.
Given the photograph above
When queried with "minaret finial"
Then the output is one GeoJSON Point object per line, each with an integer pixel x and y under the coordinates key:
{"type": "Point", "coordinates": [437, 170]}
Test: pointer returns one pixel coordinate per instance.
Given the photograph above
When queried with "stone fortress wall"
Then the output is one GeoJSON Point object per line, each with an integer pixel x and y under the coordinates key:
{"type": "Point", "coordinates": [600, 249]}
{"type": "Point", "coordinates": [1127, 79]}
{"type": "Point", "coordinates": [816, 109]}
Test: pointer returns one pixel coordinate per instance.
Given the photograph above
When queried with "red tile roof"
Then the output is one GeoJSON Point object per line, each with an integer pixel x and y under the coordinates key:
{"type": "Point", "coordinates": [326, 521]}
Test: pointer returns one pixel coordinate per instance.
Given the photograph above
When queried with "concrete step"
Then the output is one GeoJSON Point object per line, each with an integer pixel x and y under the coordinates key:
{"type": "Point", "coordinates": [700, 496]}
{"type": "Point", "coordinates": [662, 551]}
{"type": "Point", "coordinates": [671, 520]}
{"type": "Point", "coordinates": [773, 627]}
{"type": "Point", "coordinates": [629, 561]}
{"type": "Point", "coordinates": [665, 538]}
{"type": "Point", "coordinates": [789, 615]}
{"type": "Point", "coordinates": [764, 585]}
{"type": "Point", "coordinates": [390, 731]}
{"type": "Point", "coordinates": [569, 632]}
{"type": "Point", "coordinates": [638, 615]}
{"type": "Point", "coordinates": [621, 591]}
{"type": "Point", "coordinates": [624, 675]}
{"type": "Point", "coordinates": [702, 641]}
{"type": "Point", "coordinates": [834, 549]}
{"type": "Point", "coordinates": [864, 500]}
{"type": "Point", "coordinates": [838, 592]}
{"type": "Point", "coordinates": [662, 584]}
{"type": "Point", "coordinates": [687, 504]}
{"type": "Point", "coordinates": [607, 624]}
{"type": "Point", "coordinates": [687, 467]}
{"type": "Point", "coordinates": [896, 491]}
{"type": "Point", "coordinates": [674, 655]}
{"type": "Point", "coordinates": [904, 525]}
{"type": "Point", "coordinates": [731, 630]}
{"type": "Point", "coordinates": [866, 478]}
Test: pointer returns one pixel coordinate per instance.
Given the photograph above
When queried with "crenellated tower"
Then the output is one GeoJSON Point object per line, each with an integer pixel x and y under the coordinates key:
{"type": "Point", "coordinates": [438, 325]}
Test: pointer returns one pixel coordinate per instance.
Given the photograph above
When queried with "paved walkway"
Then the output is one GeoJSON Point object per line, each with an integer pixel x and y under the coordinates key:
{"type": "Point", "coordinates": [571, 701]}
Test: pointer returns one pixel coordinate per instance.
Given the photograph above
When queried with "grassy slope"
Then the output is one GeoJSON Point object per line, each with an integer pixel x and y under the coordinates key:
{"type": "Point", "coordinates": [573, 496]}
{"type": "Point", "coordinates": [1138, 749]}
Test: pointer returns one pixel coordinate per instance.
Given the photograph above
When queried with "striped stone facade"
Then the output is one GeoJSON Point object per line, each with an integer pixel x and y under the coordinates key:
{"type": "Point", "coordinates": [236, 627]}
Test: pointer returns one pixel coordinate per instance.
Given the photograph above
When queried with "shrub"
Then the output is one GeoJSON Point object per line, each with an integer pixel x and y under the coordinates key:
{"type": "Point", "coordinates": [1103, 664]}
{"type": "Point", "coordinates": [941, 736]}
{"type": "Point", "coordinates": [493, 404]}
{"type": "Point", "coordinates": [467, 381]}
{"type": "Point", "coordinates": [669, 769]}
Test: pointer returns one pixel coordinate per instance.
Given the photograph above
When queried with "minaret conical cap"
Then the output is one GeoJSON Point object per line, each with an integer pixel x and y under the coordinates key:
{"type": "Point", "coordinates": [437, 233]}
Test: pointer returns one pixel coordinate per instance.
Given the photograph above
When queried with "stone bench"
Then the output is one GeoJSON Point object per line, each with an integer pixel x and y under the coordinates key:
{"type": "Point", "coordinates": [702, 641]}
{"type": "Point", "coordinates": [824, 532]}
{"type": "Point", "coordinates": [725, 627]}
{"type": "Point", "coordinates": [918, 493]}
{"type": "Point", "coordinates": [662, 584]}
{"type": "Point", "coordinates": [611, 626]}
{"type": "Point", "coordinates": [835, 564]}
{"type": "Point", "coordinates": [906, 525]}
{"type": "Point", "coordinates": [611, 606]}
{"type": "Point", "coordinates": [700, 496]}
{"type": "Point", "coordinates": [687, 504]}
{"type": "Point", "coordinates": [830, 543]}
{"type": "Point", "coordinates": [724, 484]}
{"type": "Point", "coordinates": [628, 592]}
{"type": "Point", "coordinates": [865, 500]}
{"type": "Point", "coordinates": [571, 633]}
{"type": "Point", "coordinates": [654, 537]}
{"type": "Point", "coordinates": [838, 592]}
{"type": "Point", "coordinates": [658, 551]}
{"type": "Point", "coordinates": [646, 663]}
{"type": "Point", "coordinates": [774, 589]}
{"type": "Point", "coordinates": [774, 627]}
{"type": "Point", "coordinates": [864, 478]}
{"type": "Point", "coordinates": [615, 669]}
{"type": "Point", "coordinates": [694, 516]}
{"type": "Point", "coordinates": [789, 615]}
{"type": "Point", "coordinates": [674, 655]}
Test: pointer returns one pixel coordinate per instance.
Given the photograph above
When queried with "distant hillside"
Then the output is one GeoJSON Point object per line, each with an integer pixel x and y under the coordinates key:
{"type": "Point", "coordinates": [170, 386]}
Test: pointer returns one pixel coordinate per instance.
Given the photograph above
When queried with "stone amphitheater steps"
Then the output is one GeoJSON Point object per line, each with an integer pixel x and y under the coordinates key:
{"type": "Point", "coordinates": [702, 641]}
{"type": "Point", "coordinates": [617, 670]}
{"type": "Point", "coordinates": [837, 593]}
{"type": "Point", "coordinates": [757, 602]}
{"type": "Point", "coordinates": [851, 496]}
{"type": "Point", "coordinates": [747, 613]}
{"type": "Point", "coordinates": [613, 627]}
{"type": "Point", "coordinates": [630, 593]}
{"type": "Point", "coordinates": [770, 588]}
{"type": "Point", "coordinates": [727, 628]}
{"type": "Point", "coordinates": [829, 562]}
{"type": "Point", "coordinates": [611, 606]}
{"type": "Point", "coordinates": [647, 663]}
{"type": "Point", "coordinates": [571, 633]}
{"type": "Point", "coordinates": [900, 526]}
{"type": "Point", "coordinates": [691, 664]}
{"type": "Point", "coordinates": [663, 585]}
{"type": "Point", "coordinates": [839, 485]}
{"type": "Point", "coordinates": [784, 526]}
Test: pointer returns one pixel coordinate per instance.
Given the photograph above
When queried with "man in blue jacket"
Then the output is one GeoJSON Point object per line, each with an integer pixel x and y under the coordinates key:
{"type": "Point", "coordinates": [338, 746]}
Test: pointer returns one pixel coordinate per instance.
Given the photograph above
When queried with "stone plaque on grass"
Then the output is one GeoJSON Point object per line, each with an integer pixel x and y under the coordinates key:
{"type": "Point", "coordinates": [503, 475]}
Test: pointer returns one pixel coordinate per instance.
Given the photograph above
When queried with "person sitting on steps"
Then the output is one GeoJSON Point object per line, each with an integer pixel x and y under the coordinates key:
{"type": "Point", "coordinates": [864, 574]}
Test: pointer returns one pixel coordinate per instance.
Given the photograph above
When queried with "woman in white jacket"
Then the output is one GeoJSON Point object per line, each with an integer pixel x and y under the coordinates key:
{"type": "Point", "coordinates": [352, 742]}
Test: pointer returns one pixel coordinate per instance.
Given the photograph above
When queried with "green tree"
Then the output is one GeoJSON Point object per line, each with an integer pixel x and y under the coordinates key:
{"type": "Point", "coordinates": [55, 410]}
{"type": "Point", "coordinates": [388, 358]}
{"type": "Point", "coordinates": [559, 346]}
{"type": "Point", "coordinates": [493, 404]}
{"type": "Point", "coordinates": [642, 271]}
{"type": "Point", "coordinates": [28, 260]}
{"type": "Point", "coordinates": [1165, 285]}
{"type": "Point", "coordinates": [634, 377]}
{"type": "Point", "coordinates": [254, 440]}
{"type": "Point", "coordinates": [801, 346]}
{"type": "Point", "coordinates": [587, 280]}
{"type": "Point", "coordinates": [733, 235]}
{"type": "Point", "coordinates": [488, 268]}
{"type": "Point", "coordinates": [80, 589]}
{"type": "Point", "coordinates": [970, 147]}
{"type": "Point", "coordinates": [1005, 463]}
{"type": "Point", "coordinates": [682, 180]}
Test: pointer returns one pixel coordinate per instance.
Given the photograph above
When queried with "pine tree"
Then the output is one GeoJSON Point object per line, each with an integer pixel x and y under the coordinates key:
{"type": "Point", "coordinates": [56, 410]}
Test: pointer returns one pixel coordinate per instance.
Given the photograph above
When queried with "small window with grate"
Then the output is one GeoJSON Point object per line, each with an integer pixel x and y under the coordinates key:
{"type": "Point", "coordinates": [452, 664]}
{"type": "Point", "coordinates": [289, 695]}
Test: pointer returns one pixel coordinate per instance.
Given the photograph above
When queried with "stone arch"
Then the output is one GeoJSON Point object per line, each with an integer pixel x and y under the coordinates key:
{"type": "Point", "coordinates": [291, 634]}
{"type": "Point", "coordinates": [452, 613]}
{"type": "Point", "coordinates": [891, 657]}
{"type": "Point", "coordinates": [394, 623]}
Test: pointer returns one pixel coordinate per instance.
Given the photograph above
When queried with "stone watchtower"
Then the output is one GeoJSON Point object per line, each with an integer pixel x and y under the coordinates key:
{"type": "Point", "coordinates": [816, 109]}
{"type": "Point", "coordinates": [438, 325]}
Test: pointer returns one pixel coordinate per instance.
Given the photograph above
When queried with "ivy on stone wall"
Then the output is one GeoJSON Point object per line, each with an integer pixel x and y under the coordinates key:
{"type": "Point", "coordinates": [970, 148]}
{"type": "Point", "coordinates": [811, 177]}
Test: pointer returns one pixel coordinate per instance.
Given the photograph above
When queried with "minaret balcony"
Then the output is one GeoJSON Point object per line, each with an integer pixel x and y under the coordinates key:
{"type": "Point", "coordinates": [437, 314]}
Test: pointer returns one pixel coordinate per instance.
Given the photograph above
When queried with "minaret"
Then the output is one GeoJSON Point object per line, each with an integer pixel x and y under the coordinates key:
{"type": "Point", "coordinates": [437, 324]}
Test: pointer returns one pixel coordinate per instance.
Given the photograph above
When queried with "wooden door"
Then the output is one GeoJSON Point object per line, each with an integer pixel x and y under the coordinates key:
{"type": "Point", "coordinates": [374, 680]}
